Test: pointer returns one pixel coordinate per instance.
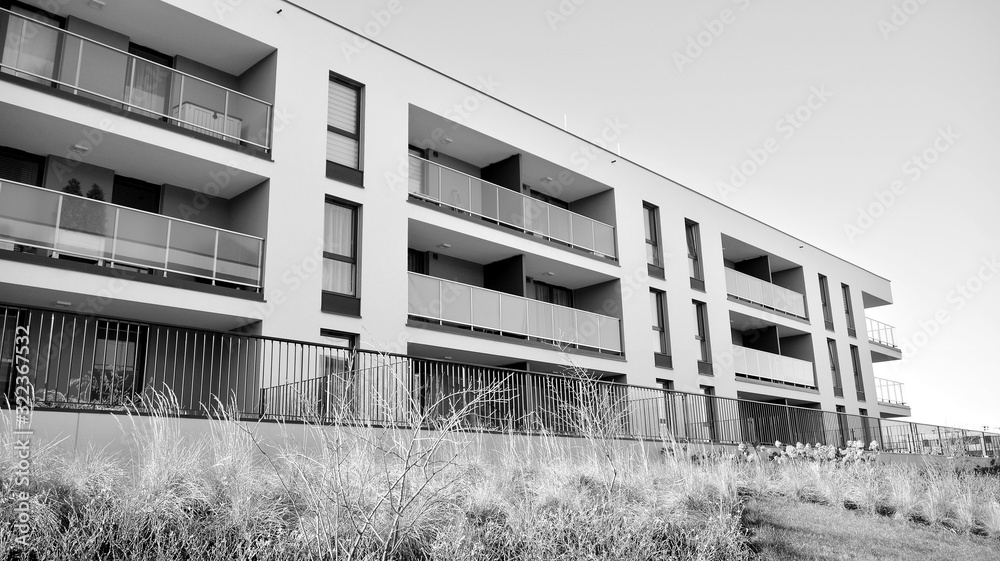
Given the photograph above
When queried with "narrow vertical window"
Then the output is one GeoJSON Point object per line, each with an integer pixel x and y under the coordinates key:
{"type": "Point", "coordinates": [661, 335]}
{"type": "Point", "coordinates": [838, 386]}
{"type": "Point", "coordinates": [340, 258]}
{"type": "Point", "coordinates": [701, 337]}
{"type": "Point", "coordinates": [859, 382]}
{"type": "Point", "coordinates": [651, 224]}
{"type": "Point", "coordinates": [694, 255]}
{"type": "Point", "coordinates": [343, 130]}
{"type": "Point", "coordinates": [824, 295]}
{"type": "Point", "coordinates": [848, 310]}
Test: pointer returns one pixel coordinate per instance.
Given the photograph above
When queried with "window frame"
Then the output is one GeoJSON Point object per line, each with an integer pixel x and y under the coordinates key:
{"type": "Point", "coordinates": [660, 326]}
{"type": "Point", "coordinates": [5, 24]}
{"type": "Point", "coordinates": [845, 291]}
{"type": "Point", "coordinates": [340, 302]}
{"type": "Point", "coordinates": [651, 216]}
{"type": "Point", "coordinates": [859, 381]}
{"type": "Point", "coordinates": [337, 171]}
{"type": "Point", "coordinates": [838, 381]}
{"type": "Point", "coordinates": [692, 236]}
{"type": "Point", "coordinates": [701, 335]}
{"type": "Point", "coordinates": [824, 297]}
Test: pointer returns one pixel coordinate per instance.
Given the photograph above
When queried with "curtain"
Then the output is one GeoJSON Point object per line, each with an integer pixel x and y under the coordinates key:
{"type": "Point", "coordinates": [30, 47]}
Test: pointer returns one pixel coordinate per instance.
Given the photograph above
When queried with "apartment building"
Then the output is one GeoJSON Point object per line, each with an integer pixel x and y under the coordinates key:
{"type": "Point", "coordinates": [170, 171]}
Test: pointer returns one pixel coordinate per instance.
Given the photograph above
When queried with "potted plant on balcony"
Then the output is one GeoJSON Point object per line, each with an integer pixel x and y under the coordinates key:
{"type": "Point", "coordinates": [82, 224]}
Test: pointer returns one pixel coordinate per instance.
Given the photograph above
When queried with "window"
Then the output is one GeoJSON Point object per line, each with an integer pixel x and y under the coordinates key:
{"type": "Point", "coordinates": [694, 255]}
{"type": "Point", "coordinates": [701, 338]}
{"type": "Point", "coordinates": [340, 260]}
{"type": "Point", "coordinates": [116, 375]}
{"type": "Point", "coordinates": [651, 223]}
{"type": "Point", "coordinates": [149, 87]}
{"type": "Point", "coordinates": [416, 261]}
{"type": "Point", "coordinates": [838, 386]}
{"type": "Point", "coordinates": [343, 130]}
{"type": "Point", "coordinates": [848, 311]}
{"type": "Point", "coordinates": [842, 424]}
{"type": "Point", "coordinates": [661, 336]}
{"type": "Point", "coordinates": [824, 296]}
{"type": "Point", "coordinates": [553, 294]}
{"type": "Point", "coordinates": [29, 49]}
{"type": "Point", "coordinates": [859, 382]}
{"type": "Point", "coordinates": [22, 167]}
{"type": "Point", "coordinates": [710, 416]}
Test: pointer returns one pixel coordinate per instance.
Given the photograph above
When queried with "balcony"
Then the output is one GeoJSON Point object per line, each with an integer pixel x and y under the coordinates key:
{"type": "Point", "coordinates": [60, 224]}
{"type": "Point", "coordinates": [455, 303]}
{"type": "Point", "coordinates": [884, 338]}
{"type": "Point", "coordinates": [772, 367]}
{"type": "Point", "coordinates": [490, 202]}
{"type": "Point", "coordinates": [763, 293]}
{"type": "Point", "coordinates": [48, 55]}
{"type": "Point", "coordinates": [890, 392]}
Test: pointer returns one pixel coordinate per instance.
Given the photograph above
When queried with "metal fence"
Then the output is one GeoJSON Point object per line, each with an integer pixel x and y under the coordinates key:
{"type": "Point", "coordinates": [84, 363]}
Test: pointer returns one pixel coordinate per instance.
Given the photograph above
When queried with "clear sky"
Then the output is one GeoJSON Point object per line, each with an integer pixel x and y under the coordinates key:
{"type": "Point", "coordinates": [882, 119]}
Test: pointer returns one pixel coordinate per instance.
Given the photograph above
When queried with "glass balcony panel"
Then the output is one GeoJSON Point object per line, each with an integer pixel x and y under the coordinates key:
{"type": "Point", "coordinates": [511, 207]}
{"type": "Point", "coordinates": [419, 176]}
{"type": "Point", "coordinates": [489, 204]}
{"type": "Point", "coordinates": [456, 302]}
{"type": "Point", "coordinates": [536, 215]}
{"type": "Point", "coordinates": [604, 240]}
{"type": "Point", "coordinates": [99, 70]}
{"type": "Point", "coordinates": [238, 258]}
{"type": "Point", "coordinates": [475, 195]}
{"type": "Point", "coordinates": [514, 314]}
{"type": "Point", "coordinates": [86, 227]}
{"type": "Point", "coordinates": [564, 327]}
{"type": "Point", "coordinates": [147, 87]}
{"type": "Point", "coordinates": [611, 334]}
{"type": "Point", "coordinates": [455, 189]}
{"type": "Point", "coordinates": [201, 106]}
{"type": "Point", "coordinates": [560, 224]}
{"type": "Point", "coordinates": [253, 117]}
{"type": "Point", "coordinates": [28, 215]}
{"type": "Point", "coordinates": [583, 231]}
{"type": "Point", "coordinates": [540, 320]}
{"type": "Point", "coordinates": [588, 329]}
{"type": "Point", "coordinates": [486, 309]}
{"type": "Point", "coordinates": [30, 49]}
{"type": "Point", "coordinates": [192, 249]}
{"type": "Point", "coordinates": [424, 296]}
{"type": "Point", "coordinates": [142, 239]}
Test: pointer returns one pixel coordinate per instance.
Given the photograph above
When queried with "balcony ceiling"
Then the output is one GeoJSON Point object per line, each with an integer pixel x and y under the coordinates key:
{"type": "Point", "coordinates": [427, 237]}
{"type": "Point", "coordinates": [170, 30]}
{"type": "Point", "coordinates": [736, 251]}
{"type": "Point", "coordinates": [743, 322]}
{"type": "Point", "coordinates": [481, 150]}
{"type": "Point", "coordinates": [126, 156]}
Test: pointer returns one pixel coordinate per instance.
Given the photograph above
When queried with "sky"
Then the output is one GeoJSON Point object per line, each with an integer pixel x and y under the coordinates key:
{"type": "Point", "coordinates": [870, 129]}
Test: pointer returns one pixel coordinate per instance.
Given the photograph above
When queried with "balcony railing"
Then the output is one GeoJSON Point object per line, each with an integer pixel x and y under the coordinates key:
{"type": "Point", "coordinates": [761, 292]}
{"type": "Point", "coordinates": [49, 55]}
{"type": "Point", "coordinates": [881, 333]}
{"type": "Point", "coordinates": [452, 188]}
{"type": "Point", "coordinates": [83, 363]}
{"type": "Point", "coordinates": [480, 308]}
{"type": "Point", "coordinates": [773, 367]}
{"type": "Point", "coordinates": [889, 391]}
{"type": "Point", "coordinates": [66, 224]}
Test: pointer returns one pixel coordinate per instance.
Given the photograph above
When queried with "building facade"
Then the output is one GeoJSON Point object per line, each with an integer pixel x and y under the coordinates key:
{"type": "Point", "coordinates": [170, 169]}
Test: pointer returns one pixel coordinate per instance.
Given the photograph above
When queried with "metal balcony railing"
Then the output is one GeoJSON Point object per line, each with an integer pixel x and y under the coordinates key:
{"type": "Point", "coordinates": [757, 291]}
{"type": "Point", "coordinates": [85, 67]}
{"type": "Point", "coordinates": [881, 333]}
{"type": "Point", "coordinates": [471, 306]}
{"type": "Point", "coordinates": [67, 224]}
{"type": "Point", "coordinates": [773, 367]}
{"type": "Point", "coordinates": [84, 363]}
{"type": "Point", "coordinates": [452, 188]}
{"type": "Point", "coordinates": [889, 391]}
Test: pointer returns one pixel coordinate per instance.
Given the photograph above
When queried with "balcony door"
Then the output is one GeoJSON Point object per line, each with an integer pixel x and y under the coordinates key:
{"type": "Point", "coordinates": [29, 49]}
{"type": "Point", "coordinates": [148, 81]}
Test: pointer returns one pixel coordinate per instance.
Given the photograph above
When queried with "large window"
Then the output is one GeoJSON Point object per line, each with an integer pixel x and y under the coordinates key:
{"type": "Point", "coordinates": [553, 294]}
{"type": "Point", "coordinates": [701, 337]}
{"type": "Point", "coordinates": [859, 382]}
{"type": "Point", "coordinates": [343, 130]}
{"type": "Point", "coordinates": [651, 223]}
{"type": "Point", "coordinates": [838, 385]}
{"type": "Point", "coordinates": [824, 295]}
{"type": "Point", "coordinates": [337, 391]}
{"type": "Point", "coordinates": [661, 334]}
{"type": "Point", "coordinates": [340, 257]}
{"type": "Point", "coordinates": [694, 255]}
{"type": "Point", "coordinates": [848, 310]}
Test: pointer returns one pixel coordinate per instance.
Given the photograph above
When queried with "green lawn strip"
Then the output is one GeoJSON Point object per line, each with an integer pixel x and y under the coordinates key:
{"type": "Point", "coordinates": [785, 529]}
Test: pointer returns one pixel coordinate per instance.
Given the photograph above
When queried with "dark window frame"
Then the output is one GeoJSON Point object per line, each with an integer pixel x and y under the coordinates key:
{"type": "Point", "coordinates": [838, 381]}
{"type": "Point", "coordinates": [859, 381]}
{"type": "Point", "coordinates": [339, 302]}
{"type": "Point", "coordinates": [660, 325]}
{"type": "Point", "coordinates": [701, 335]}
{"type": "Point", "coordinates": [652, 217]}
{"type": "Point", "coordinates": [824, 296]}
{"type": "Point", "coordinates": [338, 171]}
{"type": "Point", "coordinates": [845, 291]}
{"type": "Point", "coordinates": [692, 236]}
